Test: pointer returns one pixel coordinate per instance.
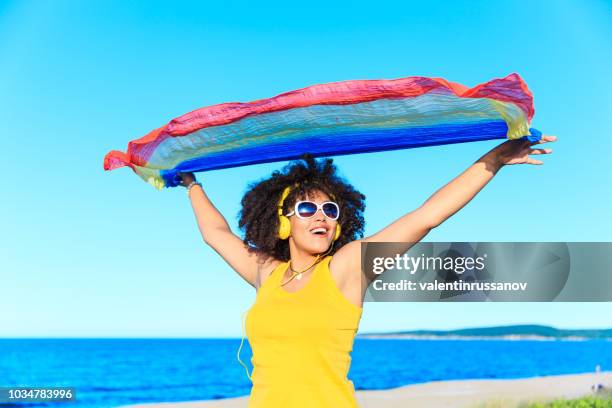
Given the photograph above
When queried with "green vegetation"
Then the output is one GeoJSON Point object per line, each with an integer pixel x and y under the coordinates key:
{"type": "Point", "coordinates": [599, 401]}
{"type": "Point", "coordinates": [515, 330]}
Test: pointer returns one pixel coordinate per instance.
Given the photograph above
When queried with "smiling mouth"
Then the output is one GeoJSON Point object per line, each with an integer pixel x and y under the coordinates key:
{"type": "Point", "coordinates": [320, 231]}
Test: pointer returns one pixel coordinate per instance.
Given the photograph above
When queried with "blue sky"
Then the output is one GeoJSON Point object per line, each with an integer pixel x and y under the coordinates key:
{"type": "Point", "coordinates": [89, 253]}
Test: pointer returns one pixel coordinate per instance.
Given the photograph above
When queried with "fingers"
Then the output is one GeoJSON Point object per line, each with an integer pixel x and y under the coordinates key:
{"type": "Point", "coordinates": [526, 149]}
{"type": "Point", "coordinates": [535, 152]}
{"type": "Point", "coordinates": [533, 161]}
{"type": "Point", "coordinates": [545, 139]}
{"type": "Point", "coordinates": [540, 151]}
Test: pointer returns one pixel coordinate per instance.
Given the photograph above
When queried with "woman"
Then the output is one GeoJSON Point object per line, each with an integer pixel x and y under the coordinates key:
{"type": "Point", "coordinates": [301, 252]}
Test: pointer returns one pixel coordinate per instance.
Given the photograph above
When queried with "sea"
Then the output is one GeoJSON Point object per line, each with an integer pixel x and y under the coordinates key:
{"type": "Point", "coordinates": [116, 372]}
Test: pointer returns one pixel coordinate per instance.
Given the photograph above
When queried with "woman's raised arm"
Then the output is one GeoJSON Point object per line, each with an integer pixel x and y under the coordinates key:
{"type": "Point", "coordinates": [449, 199]}
{"type": "Point", "coordinates": [217, 234]}
{"type": "Point", "coordinates": [458, 192]}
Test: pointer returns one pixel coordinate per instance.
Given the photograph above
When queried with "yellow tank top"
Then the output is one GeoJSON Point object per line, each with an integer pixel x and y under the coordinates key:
{"type": "Point", "coordinates": [301, 343]}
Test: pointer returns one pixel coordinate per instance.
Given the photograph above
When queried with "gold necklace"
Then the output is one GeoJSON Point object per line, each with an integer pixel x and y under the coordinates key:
{"type": "Point", "coordinates": [298, 274]}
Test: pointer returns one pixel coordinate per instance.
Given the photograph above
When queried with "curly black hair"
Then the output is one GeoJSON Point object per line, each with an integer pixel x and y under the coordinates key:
{"type": "Point", "coordinates": [258, 217]}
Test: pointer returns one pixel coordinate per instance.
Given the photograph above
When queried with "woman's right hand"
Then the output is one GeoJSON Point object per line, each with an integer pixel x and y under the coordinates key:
{"type": "Point", "coordinates": [186, 178]}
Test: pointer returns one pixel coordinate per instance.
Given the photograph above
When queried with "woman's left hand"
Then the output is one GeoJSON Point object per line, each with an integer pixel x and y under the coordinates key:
{"type": "Point", "coordinates": [518, 151]}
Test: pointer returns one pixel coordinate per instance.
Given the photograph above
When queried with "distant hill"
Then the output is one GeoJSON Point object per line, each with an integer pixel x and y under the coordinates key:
{"type": "Point", "coordinates": [516, 331]}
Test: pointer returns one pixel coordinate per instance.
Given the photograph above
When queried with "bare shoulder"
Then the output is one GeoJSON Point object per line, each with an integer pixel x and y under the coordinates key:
{"type": "Point", "coordinates": [345, 268]}
{"type": "Point", "coordinates": [345, 264]}
{"type": "Point", "coordinates": [265, 267]}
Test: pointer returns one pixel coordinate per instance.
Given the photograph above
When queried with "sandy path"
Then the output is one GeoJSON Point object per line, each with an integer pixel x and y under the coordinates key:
{"type": "Point", "coordinates": [461, 393]}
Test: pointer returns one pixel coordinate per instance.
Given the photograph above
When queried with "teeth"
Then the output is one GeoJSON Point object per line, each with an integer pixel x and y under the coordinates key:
{"type": "Point", "coordinates": [316, 230]}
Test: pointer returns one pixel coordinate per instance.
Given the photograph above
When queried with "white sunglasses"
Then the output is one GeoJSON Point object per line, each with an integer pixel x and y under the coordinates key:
{"type": "Point", "coordinates": [308, 209]}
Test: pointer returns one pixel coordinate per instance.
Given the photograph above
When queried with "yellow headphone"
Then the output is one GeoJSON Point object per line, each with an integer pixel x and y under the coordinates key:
{"type": "Point", "coordinates": [284, 225]}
